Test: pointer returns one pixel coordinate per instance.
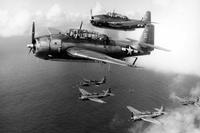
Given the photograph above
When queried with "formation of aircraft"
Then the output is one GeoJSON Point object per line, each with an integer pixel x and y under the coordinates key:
{"type": "Point", "coordinates": [116, 21]}
{"type": "Point", "coordinates": [94, 96]}
{"type": "Point", "coordinates": [89, 46]}
{"type": "Point", "coordinates": [188, 100]}
{"type": "Point", "coordinates": [146, 116]}
{"type": "Point", "coordinates": [87, 82]}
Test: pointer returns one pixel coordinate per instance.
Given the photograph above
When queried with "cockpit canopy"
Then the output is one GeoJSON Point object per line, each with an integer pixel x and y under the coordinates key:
{"type": "Point", "coordinates": [85, 34]}
{"type": "Point", "coordinates": [116, 15]}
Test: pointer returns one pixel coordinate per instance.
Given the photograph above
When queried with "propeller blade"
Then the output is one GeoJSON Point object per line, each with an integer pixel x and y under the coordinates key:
{"type": "Point", "coordinates": [81, 25]}
{"type": "Point", "coordinates": [33, 33]}
{"type": "Point", "coordinates": [91, 15]}
{"type": "Point", "coordinates": [30, 50]}
{"type": "Point", "coordinates": [32, 46]}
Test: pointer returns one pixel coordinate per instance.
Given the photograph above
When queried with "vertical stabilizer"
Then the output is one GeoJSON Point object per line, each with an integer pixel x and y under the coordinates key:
{"type": "Point", "coordinates": [147, 16]}
{"type": "Point", "coordinates": [148, 35]}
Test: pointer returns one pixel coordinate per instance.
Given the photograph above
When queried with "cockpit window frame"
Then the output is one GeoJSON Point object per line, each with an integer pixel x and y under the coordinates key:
{"type": "Point", "coordinates": [117, 15]}
{"type": "Point", "coordinates": [85, 35]}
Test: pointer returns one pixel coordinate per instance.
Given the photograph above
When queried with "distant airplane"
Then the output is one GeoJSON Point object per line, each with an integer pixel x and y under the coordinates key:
{"type": "Point", "coordinates": [95, 96]}
{"type": "Point", "coordinates": [188, 100]}
{"type": "Point", "coordinates": [116, 21]}
{"type": "Point", "coordinates": [146, 116]}
{"type": "Point", "coordinates": [87, 82]}
{"type": "Point", "coordinates": [88, 46]}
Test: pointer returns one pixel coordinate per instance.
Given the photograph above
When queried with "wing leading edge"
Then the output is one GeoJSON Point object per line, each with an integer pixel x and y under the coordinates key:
{"type": "Point", "coordinates": [84, 92]}
{"type": "Point", "coordinates": [133, 110]}
{"type": "Point", "coordinates": [97, 100]}
{"type": "Point", "coordinates": [88, 54]}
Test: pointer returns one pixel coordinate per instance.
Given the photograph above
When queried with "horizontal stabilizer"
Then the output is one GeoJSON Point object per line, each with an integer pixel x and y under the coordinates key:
{"type": "Point", "coordinates": [153, 46]}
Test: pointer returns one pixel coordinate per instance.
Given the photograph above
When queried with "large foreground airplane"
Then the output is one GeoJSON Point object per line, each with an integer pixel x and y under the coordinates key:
{"type": "Point", "coordinates": [84, 45]}
{"type": "Point", "coordinates": [188, 100]}
{"type": "Point", "coordinates": [87, 82]}
{"type": "Point", "coordinates": [95, 96]}
{"type": "Point", "coordinates": [116, 21]}
{"type": "Point", "coordinates": [146, 116]}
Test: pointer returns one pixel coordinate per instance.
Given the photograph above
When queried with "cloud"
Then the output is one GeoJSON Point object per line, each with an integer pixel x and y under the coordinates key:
{"type": "Point", "coordinates": [19, 22]}
{"type": "Point", "coordinates": [137, 127]}
{"type": "Point", "coordinates": [14, 24]}
{"type": "Point", "coordinates": [53, 12]}
{"type": "Point", "coordinates": [195, 91]}
{"type": "Point", "coordinates": [177, 30]}
{"type": "Point", "coordinates": [184, 85]}
{"type": "Point", "coordinates": [162, 3]}
{"type": "Point", "coordinates": [179, 120]}
{"type": "Point", "coordinates": [97, 9]}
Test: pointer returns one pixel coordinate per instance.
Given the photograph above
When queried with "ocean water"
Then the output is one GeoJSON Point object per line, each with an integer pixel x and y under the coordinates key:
{"type": "Point", "coordinates": [38, 96]}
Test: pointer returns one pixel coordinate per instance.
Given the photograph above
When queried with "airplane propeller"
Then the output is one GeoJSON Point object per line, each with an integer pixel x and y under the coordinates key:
{"type": "Point", "coordinates": [81, 25]}
{"type": "Point", "coordinates": [91, 14]}
{"type": "Point", "coordinates": [32, 46]}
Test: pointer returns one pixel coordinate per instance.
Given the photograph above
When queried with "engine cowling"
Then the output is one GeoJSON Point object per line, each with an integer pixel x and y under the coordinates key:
{"type": "Point", "coordinates": [56, 45]}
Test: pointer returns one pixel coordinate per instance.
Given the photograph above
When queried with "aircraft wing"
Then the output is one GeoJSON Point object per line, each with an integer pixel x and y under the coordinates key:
{"type": "Point", "coordinates": [97, 100]}
{"type": "Point", "coordinates": [151, 120]}
{"type": "Point", "coordinates": [84, 92]}
{"type": "Point", "coordinates": [88, 54]}
{"type": "Point", "coordinates": [86, 80]}
{"type": "Point", "coordinates": [133, 110]}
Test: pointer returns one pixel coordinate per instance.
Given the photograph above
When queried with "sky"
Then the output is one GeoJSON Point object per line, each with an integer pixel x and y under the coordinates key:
{"type": "Point", "coordinates": [177, 29]}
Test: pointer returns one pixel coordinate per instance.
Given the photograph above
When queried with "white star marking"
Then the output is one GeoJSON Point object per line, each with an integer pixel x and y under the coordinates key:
{"type": "Point", "coordinates": [129, 50]}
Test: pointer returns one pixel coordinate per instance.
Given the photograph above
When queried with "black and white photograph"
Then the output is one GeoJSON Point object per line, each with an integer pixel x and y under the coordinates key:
{"type": "Point", "coordinates": [99, 66]}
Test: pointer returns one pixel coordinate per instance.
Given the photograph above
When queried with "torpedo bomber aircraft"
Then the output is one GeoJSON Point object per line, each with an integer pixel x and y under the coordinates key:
{"type": "Point", "coordinates": [116, 21]}
{"type": "Point", "coordinates": [84, 45]}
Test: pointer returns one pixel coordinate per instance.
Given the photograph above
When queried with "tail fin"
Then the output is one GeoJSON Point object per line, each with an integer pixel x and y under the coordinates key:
{"type": "Point", "coordinates": [147, 17]}
{"type": "Point", "coordinates": [148, 35]}
{"type": "Point", "coordinates": [103, 79]}
{"type": "Point", "coordinates": [147, 40]}
{"type": "Point", "coordinates": [108, 92]}
{"type": "Point", "coordinates": [132, 115]}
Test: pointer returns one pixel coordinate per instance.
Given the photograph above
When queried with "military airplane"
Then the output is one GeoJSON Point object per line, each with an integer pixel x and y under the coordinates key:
{"type": "Point", "coordinates": [88, 46]}
{"type": "Point", "coordinates": [116, 21]}
{"type": "Point", "coordinates": [95, 96]}
{"type": "Point", "coordinates": [188, 100]}
{"type": "Point", "coordinates": [146, 116]}
{"type": "Point", "coordinates": [87, 82]}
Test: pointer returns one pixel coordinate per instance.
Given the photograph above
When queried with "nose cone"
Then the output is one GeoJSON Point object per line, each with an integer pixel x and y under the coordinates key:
{"type": "Point", "coordinates": [29, 45]}
{"type": "Point", "coordinates": [42, 49]}
{"type": "Point", "coordinates": [95, 19]}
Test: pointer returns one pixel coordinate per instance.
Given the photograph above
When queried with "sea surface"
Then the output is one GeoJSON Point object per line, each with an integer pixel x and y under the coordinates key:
{"type": "Point", "coordinates": [38, 96]}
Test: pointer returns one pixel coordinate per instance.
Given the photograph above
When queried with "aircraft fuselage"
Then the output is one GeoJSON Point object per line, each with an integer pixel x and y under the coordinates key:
{"type": "Point", "coordinates": [146, 115]}
{"type": "Point", "coordinates": [55, 47]}
{"type": "Point", "coordinates": [103, 21]}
